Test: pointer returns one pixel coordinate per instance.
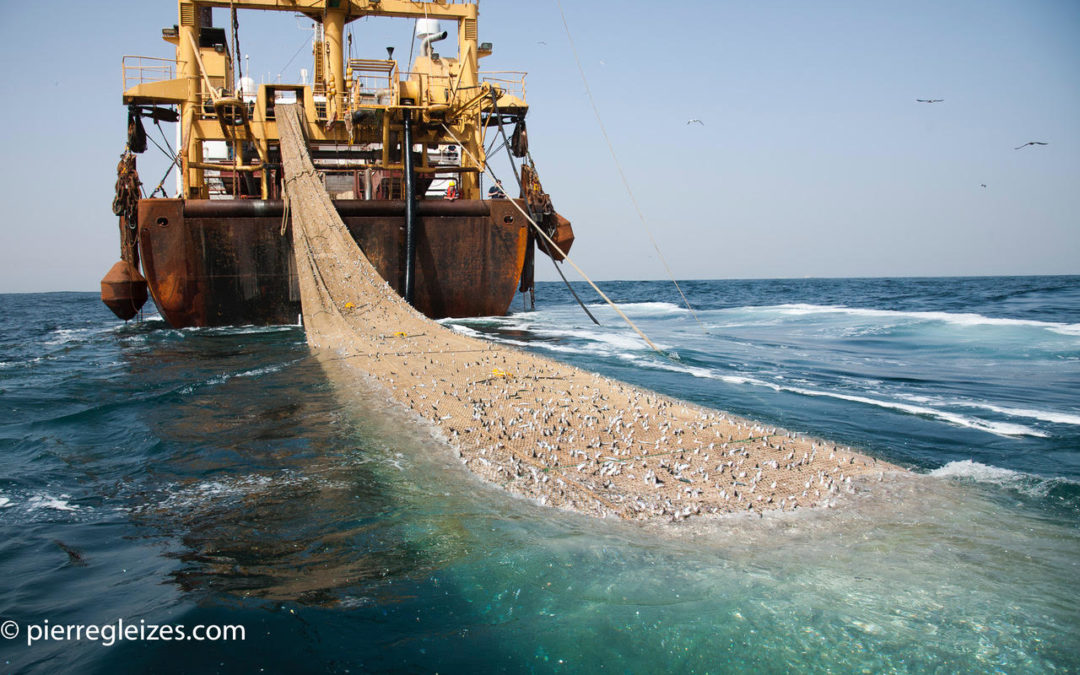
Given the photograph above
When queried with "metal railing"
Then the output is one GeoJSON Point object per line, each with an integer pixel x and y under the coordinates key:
{"type": "Point", "coordinates": [374, 82]}
{"type": "Point", "coordinates": [509, 81]}
{"type": "Point", "coordinates": [137, 70]}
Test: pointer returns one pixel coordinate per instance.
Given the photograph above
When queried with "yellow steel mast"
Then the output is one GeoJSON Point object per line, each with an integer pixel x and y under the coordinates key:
{"type": "Point", "coordinates": [435, 92]}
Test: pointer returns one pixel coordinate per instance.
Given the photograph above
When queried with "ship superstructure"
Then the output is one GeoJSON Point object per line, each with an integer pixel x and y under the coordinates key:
{"type": "Point", "coordinates": [401, 153]}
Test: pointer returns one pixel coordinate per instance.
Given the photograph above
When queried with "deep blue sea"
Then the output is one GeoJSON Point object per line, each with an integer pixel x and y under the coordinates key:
{"type": "Point", "coordinates": [221, 477]}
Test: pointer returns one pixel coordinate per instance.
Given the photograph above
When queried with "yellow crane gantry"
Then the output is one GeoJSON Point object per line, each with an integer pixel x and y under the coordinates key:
{"type": "Point", "coordinates": [351, 101]}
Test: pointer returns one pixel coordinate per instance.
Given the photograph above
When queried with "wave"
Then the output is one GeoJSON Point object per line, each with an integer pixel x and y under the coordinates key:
{"type": "Point", "coordinates": [40, 506]}
{"type": "Point", "coordinates": [645, 308]}
{"type": "Point", "coordinates": [617, 343]}
{"type": "Point", "coordinates": [4, 365]}
{"type": "Point", "coordinates": [621, 345]}
{"type": "Point", "coordinates": [67, 336]}
{"type": "Point", "coordinates": [997, 428]}
{"type": "Point", "coordinates": [45, 501]}
{"type": "Point", "coordinates": [627, 347]}
{"type": "Point", "coordinates": [225, 377]}
{"type": "Point", "coordinates": [501, 339]}
{"type": "Point", "coordinates": [1005, 429]}
{"type": "Point", "coordinates": [145, 332]}
{"type": "Point", "coordinates": [1030, 484]}
{"type": "Point", "coordinates": [730, 317]}
{"type": "Point", "coordinates": [265, 370]}
{"type": "Point", "coordinates": [229, 491]}
{"type": "Point", "coordinates": [1041, 415]}
{"type": "Point", "coordinates": [1052, 416]}
{"type": "Point", "coordinates": [240, 330]}
{"type": "Point", "coordinates": [206, 493]}
{"type": "Point", "coordinates": [958, 319]}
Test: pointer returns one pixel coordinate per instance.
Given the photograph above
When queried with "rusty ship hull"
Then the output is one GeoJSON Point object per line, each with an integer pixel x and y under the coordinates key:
{"type": "Point", "coordinates": [400, 148]}
{"type": "Point", "coordinates": [230, 262]}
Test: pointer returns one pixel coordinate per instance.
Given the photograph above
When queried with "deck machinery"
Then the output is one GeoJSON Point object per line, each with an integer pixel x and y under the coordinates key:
{"type": "Point", "coordinates": [402, 154]}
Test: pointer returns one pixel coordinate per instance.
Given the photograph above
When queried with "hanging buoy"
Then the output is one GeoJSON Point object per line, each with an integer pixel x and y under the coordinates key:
{"type": "Point", "coordinates": [560, 231]}
{"type": "Point", "coordinates": [123, 290]}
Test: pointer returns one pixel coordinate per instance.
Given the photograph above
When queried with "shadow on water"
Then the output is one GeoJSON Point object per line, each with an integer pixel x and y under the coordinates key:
{"type": "Point", "coordinates": [303, 507]}
{"type": "Point", "coordinates": [225, 464]}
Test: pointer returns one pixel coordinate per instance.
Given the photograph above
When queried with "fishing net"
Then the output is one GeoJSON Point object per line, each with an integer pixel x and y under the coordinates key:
{"type": "Point", "coordinates": [564, 436]}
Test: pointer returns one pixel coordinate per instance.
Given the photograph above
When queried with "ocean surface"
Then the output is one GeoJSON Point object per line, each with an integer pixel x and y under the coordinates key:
{"type": "Point", "coordinates": [220, 477]}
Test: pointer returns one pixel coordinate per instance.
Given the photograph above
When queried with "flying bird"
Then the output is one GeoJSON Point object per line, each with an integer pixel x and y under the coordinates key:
{"type": "Point", "coordinates": [695, 121]}
{"type": "Point", "coordinates": [982, 184]}
{"type": "Point", "coordinates": [1030, 143]}
{"type": "Point", "coordinates": [929, 100]}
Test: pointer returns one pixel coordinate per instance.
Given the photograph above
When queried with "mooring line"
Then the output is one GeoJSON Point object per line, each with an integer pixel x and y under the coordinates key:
{"type": "Point", "coordinates": [555, 247]}
{"type": "Point", "coordinates": [622, 174]}
{"type": "Point", "coordinates": [521, 191]}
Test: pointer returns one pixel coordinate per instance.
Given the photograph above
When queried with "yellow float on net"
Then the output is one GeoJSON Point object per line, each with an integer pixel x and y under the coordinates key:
{"type": "Point", "coordinates": [401, 333]}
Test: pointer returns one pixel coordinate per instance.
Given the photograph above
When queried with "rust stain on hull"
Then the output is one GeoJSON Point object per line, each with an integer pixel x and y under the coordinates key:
{"type": "Point", "coordinates": [213, 263]}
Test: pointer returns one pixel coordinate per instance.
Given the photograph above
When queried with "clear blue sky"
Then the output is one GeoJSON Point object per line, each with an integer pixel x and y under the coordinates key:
{"type": "Point", "coordinates": [814, 158]}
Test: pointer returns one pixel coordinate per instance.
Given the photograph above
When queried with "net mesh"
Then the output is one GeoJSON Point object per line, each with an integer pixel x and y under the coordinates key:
{"type": "Point", "coordinates": [537, 427]}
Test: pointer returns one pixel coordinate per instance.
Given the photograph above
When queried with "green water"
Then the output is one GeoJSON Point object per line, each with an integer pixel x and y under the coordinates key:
{"type": "Point", "coordinates": [225, 477]}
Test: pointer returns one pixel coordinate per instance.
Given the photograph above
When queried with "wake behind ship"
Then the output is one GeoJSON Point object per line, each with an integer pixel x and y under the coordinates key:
{"type": "Point", "coordinates": [403, 155]}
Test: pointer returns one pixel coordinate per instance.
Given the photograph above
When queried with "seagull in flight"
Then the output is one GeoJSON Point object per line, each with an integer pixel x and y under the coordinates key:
{"type": "Point", "coordinates": [695, 121]}
{"type": "Point", "coordinates": [1030, 143]}
{"type": "Point", "coordinates": [929, 100]}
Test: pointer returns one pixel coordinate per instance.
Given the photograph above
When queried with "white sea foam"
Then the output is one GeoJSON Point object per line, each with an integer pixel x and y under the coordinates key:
{"type": "Point", "coordinates": [63, 336]}
{"type": "Point", "coordinates": [918, 398]}
{"type": "Point", "coordinates": [239, 330]}
{"type": "Point", "coordinates": [997, 428]}
{"type": "Point", "coordinates": [230, 490]}
{"type": "Point", "coordinates": [266, 370]}
{"type": "Point", "coordinates": [975, 471]}
{"type": "Point", "coordinates": [1026, 483]}
{"type": "Point", "coordinates": [645, 308]}
{"type": "Point", "coordinates": [44, 501]}
{"type": "Point", "coordinates": [626, 346]}
{"type": "Point", "coordinates": [1052, 416]}
{"type": "Point", "coordinates": [959, 319]}
{"type": "Point", "coordinates": [622, 344]}
{"type": "Point", "coordinates": [5, 503]}
{"type": "Point", "coordinates": [629, 348]}
{"type": "Point", "coordinates": [214, 491]}
{"type": "Point", "coordinates": [1042, 415]}
{"type": "Point", "coordinates": [502, 339]}
{"type": "Point", "coordinates": [225, 377]}
{"type": "Point", "coordinates": [708, 373]}
{"type": "Point", "coordinates": [460, 328]}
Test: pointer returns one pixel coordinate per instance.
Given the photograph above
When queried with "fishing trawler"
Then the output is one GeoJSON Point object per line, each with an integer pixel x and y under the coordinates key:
{"type": "Point", "coordinates": [384, 142]}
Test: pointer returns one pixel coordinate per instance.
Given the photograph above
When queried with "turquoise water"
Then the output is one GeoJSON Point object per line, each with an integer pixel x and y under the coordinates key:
{"type": "Point", "coordinates": [221, 476]}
